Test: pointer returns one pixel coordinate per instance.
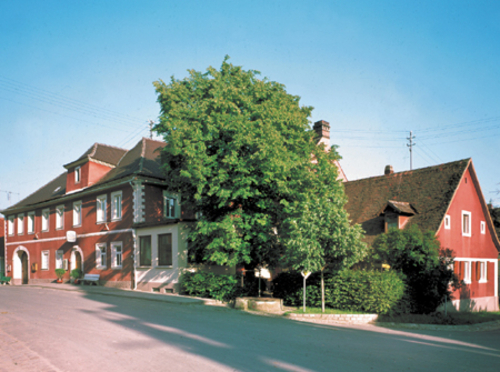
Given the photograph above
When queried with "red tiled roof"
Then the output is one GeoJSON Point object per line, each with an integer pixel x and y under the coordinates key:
{"type": "Point", "coordinates": [428, 190]}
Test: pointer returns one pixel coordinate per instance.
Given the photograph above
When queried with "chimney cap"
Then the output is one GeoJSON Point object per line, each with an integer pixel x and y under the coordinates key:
{"type": "Point", "coordinates": [388, 169]}
{"type": "Point", "coordinates": [322, 128]}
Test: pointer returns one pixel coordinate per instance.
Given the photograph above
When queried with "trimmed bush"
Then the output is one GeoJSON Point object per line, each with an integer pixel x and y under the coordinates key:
{"type": "Point", "coordinates": [368, 291]}
{"type": "Point", "coordinates": [209, 285]}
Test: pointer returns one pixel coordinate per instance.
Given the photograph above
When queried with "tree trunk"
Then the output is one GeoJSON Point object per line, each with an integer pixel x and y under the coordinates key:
{"type": "Point", "coordinates": [322, 292]}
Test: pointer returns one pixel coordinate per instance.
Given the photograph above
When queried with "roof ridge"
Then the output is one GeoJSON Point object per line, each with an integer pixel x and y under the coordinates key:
{"type": "Point", "coordinates": [94, 149]}
{"type": "Point", "coordinates": [383, 176]}
{"type": "Point", "coordinates": [115, 147]}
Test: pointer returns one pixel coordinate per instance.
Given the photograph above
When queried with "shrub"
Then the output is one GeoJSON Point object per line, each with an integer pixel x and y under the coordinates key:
{"type": "Point", "coordinates": [76, 273]}
{"type": "Point", "coordinates": [205, 284]}
{"type": "Point", "coordinates": [60, 273]}
{"type": "Point", "coordinates": [367, 291]}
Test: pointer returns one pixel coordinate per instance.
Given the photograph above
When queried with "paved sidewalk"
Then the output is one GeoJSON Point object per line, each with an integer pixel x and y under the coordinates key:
{"type": "Point", "coordinates": [107, 291]}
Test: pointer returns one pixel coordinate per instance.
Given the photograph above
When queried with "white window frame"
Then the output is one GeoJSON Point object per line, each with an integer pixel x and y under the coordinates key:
{"type": "Point", "coordinates": [20, 224]}
{"type": "Point", "coordinates": [115, 254]}
{"type": "Point", "coordinates": [45, 219]}
{"type": "Point", "coordinates": [78, 174]}
{"type": "Point", "coordinates": [59, 259]}
{"type": "Point", "coordinates": [168, 198]}
{"type": "Point", "coordinates": [60, 217]}
{"type": "Point", "coordinates": [483, 227]}
{"type": "Point", "coordinates": [31, 222]}
{"type": "Point", "coordinates": [46, 261]}
{"type": "Point", "coordinates": [483, 267]}
{"type": "Point", "coordinates": [100, 255]}
{"type": "Point", "coordinates": [77, 213]}
{"type": "Point", "coordinates": [10, 225]}
{"type": "Point", "coordinates": [447, 222]}
{"type": "Point", "coordinates": [466, 229]}
{"type": "Point", "coordinates": [467, 272]}
{"type": "Point", "coordinates": [101, 208]}
{"type": "Point", "coordinates": [116, 206]}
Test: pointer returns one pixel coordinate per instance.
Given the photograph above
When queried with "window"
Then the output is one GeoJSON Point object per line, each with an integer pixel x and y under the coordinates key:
{"type": "Point", "coordinates": [100, 256]}
{"type": "Point", "coordinates": [78, 174]}
{"type": "Point", "coordinates": [45, 260]}
{"type": "Point", "coordinates": [392, 223]}
{"type": "Point", "coordinates": [165, 250]}
{"type": "Point", "coordinates": [59, 217]}
{"type": "Point", "coordinates": [483, 277]}
{"type": "Point", "coordinates": [116, 255]}
{"type": "Point", "coordinates": [11, 225]}
{"type": "Point", "coordinates": [45, 219]}
{"type": "Point", "coordinates": [483, 227]}
{"type": "Point", "coordinates": [59, 259]}
{"type": "Point", "coordinates": [467, 271]}
{"type": "Point", "coordinates": [116, 206]}
{"type": "Point", "coordinates": [447, 222]}
{"type": "Point", "coordinates": [77, 213]}
{"type": "Point", "coordinates": [20, 224]}
{"type": "Point", "coordinates": [31, 222]}
{"type": "Point", "coordinates": [466, 223]}
{"type": "Point", "coordinates": [170, 206]}
{"type": "Point", "coordinates": [101, 208]}
{"type": "Point", "coordinates": [145, 250]}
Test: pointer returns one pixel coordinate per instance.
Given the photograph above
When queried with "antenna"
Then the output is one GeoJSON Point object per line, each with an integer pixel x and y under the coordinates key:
{"type": "Point", "coordinates": [151, 123]}
{"type": "Point", "coordinates": [9, 195]}
{"type": "Point", "coordinates": [410, 145]}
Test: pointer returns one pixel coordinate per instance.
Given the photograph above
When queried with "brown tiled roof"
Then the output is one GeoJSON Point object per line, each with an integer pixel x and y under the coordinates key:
{"type": "Point", "coordinates": [142, 160]}
{"type": "Point", "coordinates": [428, 190]}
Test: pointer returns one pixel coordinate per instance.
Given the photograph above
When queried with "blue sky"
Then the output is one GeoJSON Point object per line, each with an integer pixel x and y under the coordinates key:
{"type": "Point", "coordinates": [74, 73]}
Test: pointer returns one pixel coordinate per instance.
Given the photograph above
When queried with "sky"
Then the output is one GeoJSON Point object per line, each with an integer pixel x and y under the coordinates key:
{"type": "Point", "coordinates": [75, 73]}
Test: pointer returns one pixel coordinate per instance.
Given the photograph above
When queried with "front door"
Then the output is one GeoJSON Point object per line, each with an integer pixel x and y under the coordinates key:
{"type": "Point", "coordinates": [24, 264]}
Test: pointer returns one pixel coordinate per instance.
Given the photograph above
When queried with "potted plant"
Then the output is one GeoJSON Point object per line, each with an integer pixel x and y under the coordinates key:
{"type": "Point", "coordinates": [60, 273]}
{"type": "Point", "coordinates": [76, 274]}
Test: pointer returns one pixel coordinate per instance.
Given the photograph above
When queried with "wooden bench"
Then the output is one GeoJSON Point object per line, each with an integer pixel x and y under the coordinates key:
{"type": "Point", "coordinates": [92, 278]}
{"type": "Point", "coordinates": [5, 280]}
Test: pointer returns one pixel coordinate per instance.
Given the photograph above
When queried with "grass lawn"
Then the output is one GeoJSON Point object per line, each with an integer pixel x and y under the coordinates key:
{"type": "Point", "coordinates": [437, 318]}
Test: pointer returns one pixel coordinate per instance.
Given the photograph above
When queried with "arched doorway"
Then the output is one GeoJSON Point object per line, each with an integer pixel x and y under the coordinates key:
{"type": "Point", "coordinates": [77, 258]}
{"type": "Point", "coordinates": [20, 261]}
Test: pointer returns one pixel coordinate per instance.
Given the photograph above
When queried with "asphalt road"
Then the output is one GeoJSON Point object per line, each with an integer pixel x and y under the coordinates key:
{"type": "Point", "coordinates": [49, 330]}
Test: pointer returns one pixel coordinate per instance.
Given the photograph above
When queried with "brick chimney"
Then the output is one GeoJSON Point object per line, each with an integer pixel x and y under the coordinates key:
{"type": "Point", "coordinates": [322, 129]}
{"type": "Point", "coordinates": [388, 170]}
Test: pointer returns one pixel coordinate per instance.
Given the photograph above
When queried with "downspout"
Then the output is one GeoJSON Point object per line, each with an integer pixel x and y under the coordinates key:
{"type": "Point", "coordinates": [134, 237]}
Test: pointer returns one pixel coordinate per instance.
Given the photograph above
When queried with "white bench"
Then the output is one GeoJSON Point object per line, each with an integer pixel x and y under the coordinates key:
{"type": "Point", "coordinates": [92, 278]}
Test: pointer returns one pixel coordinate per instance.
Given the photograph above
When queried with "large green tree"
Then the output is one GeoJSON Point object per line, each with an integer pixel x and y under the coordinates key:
{"type": "Point", "coordinates": [239, 153]}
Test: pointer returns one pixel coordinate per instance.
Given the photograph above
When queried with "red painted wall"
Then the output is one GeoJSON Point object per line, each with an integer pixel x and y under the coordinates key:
{"type": "Point", "coordinates": [87, 244]}
{"type": "Point", "coordinates": [96, 172]}
{"type": "Point", "coordinates": [477, 246]}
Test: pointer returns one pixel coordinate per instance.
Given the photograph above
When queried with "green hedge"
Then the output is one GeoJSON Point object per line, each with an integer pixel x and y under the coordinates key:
{"type": "Point", "coordinates": [369, 291]}
{"type": "Point", "coordinates": [209, 285]}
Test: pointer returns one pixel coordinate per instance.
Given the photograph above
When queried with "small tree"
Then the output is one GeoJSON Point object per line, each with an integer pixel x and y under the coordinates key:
{"type": "Point", "coordinates": [427, 268]}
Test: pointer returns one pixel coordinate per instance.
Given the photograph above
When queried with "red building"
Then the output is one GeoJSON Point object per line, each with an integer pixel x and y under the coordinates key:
{"type": "Point", "coordinates": [447, 200]}
{"type": "Point", "coordinates": [109, 214]}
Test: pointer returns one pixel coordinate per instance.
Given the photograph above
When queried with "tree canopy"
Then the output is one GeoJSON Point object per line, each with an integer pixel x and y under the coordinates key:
{"type": "Point", "coordinates": [239, 153]}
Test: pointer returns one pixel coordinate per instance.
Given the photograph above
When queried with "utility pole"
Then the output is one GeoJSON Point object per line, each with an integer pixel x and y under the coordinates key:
{"type": "Point", "coordinates": [410, 145]}
{"type": "Point", "coordinates": [151, 123]}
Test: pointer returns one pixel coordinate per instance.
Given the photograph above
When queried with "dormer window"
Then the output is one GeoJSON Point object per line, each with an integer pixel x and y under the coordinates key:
{"type": "Point", "coordinates": [78, 174]}
{"type": "Point", "coordinates": [170, 206]}
{"type": "Point", "coordinates": [396, 214]}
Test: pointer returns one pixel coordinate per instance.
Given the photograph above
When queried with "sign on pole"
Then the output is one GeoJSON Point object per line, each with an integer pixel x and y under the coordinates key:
{"type": "Point", "coordinates": [305, 275]}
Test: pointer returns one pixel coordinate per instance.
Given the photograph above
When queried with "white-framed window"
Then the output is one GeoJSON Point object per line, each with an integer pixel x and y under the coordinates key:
{"type": "Point", "coordinates": [483, 276]}
{"type": "Point", "coordinates": [78, 174]}
{"type": "Point", "coordinates": [59, 259]}
{"type": "Point", "coordinates": [165, 250]}
{"type": "Point", "coordinates": [116, 255]}
{"type": "Point", "coordinates": [20, 224]}
{"type": "Point", "coordinates": [45, 260]}
{"type": "Point", "coordinates": [466, 223]}
{"type": "Point", "coordinates": [59, 217]}
{"type": "Point", "coordinates": [101, 202]}
{"type": "Point", "coordinates": [447, 222]}
{"type": "Point", "coordinates": [116, 206]}
{"type": "Point", "coordinates": [77, 213]}
{"type": "Point", "coordinates": [467, 278]}
{"type": "Point", "coordinates": [170, 205]}
{"type": "Point", "coordinates": [31, 222]}
{"type": "Point", "coordinates": [100, 256]}
{"type": "Point", "coordinates": [483, 227]}
{"type": "Point", "coordinates": [45, 219]}
{"type": "Point", "coordinates": [10, 225]}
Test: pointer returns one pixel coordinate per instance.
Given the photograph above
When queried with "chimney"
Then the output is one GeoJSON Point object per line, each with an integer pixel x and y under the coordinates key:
{"type": "Point", "coordinates": [388, 170]}
{"type": "Point", "coordinates": [322, 129]}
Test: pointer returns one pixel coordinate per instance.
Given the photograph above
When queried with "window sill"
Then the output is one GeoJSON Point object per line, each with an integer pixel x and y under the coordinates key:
{"type": "Point", "coordinates": [31, 233]}
{"type": "Point", "coordinates": [116, 267]}
{"type": "Point", "coordinates": [483, 281]}
{"type": "Point", "coordinates": [116, 219]}
{"type": "Point", "coordinates": [466, 235]}
{"type": "Point", "coordinates": [164, 267]}
{"type": "Point", "coordinates": [467, 281]}
{"type": "Point", "coordinates": [59, 228]}
{"type": "Point", "coordinates": [45, 231]}
{"type": "Point", "coordinates": [101, 222]}
{"type": "Point", "coordinates": [101, 268]}
{"type": "Point", "coordinates": [144, 267]}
